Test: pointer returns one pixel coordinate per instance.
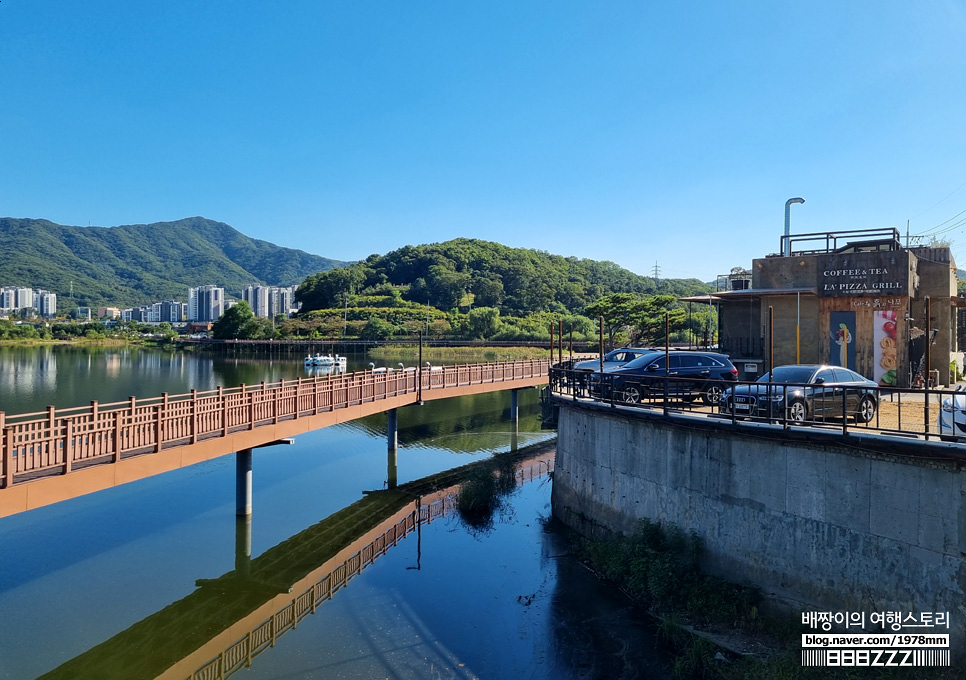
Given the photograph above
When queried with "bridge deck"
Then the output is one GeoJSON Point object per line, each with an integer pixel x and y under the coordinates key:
{"type": "Point", "coordinates": [58, 454]}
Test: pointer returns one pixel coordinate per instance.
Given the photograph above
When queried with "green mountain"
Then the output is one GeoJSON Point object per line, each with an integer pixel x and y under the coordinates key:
{"type": "Point", "coordinates": [515, 280]}
{"type": "Point", "coordinates": [144, 263]}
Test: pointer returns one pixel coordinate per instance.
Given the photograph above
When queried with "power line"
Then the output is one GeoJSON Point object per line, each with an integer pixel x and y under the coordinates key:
{"type": "Point", "coordinates": [941, 200]}
{"type": "Point", "coordinates": [933, 229]}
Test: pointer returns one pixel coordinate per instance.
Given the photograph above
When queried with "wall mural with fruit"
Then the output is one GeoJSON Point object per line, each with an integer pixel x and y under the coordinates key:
{"type": "Point", "coordinates": [884, 347]}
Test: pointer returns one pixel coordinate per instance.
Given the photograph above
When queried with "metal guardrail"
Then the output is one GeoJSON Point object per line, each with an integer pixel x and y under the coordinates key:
{"type": "Point", "coordinates": [56, 441]}
{"type": "Point", "coordinates": [899, 411]}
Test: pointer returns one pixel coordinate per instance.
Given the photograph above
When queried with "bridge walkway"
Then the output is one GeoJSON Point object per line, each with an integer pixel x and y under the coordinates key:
{"type": "Point", "coordinates": [57, 454]}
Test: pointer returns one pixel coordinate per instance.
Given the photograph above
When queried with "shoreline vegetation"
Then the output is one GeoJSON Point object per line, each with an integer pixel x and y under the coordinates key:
{"type": "Point", "coordinates": [710, 628]}
{"type": "Point", "coordinates": [458, 354]}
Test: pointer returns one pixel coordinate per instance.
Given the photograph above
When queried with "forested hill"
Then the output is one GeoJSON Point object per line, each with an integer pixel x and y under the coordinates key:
{"type": "Point", "coordinates": [515, 280]}
{"type": "Point", "coordinates": [144, 263]}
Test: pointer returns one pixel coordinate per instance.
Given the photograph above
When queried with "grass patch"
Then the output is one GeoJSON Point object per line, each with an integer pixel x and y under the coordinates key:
{"type": "Point", "coordinates": [457, 354]}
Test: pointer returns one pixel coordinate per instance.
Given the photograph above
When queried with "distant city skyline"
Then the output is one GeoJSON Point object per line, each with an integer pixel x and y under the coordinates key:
{"type": "Point", "coordinates": [640, 133]}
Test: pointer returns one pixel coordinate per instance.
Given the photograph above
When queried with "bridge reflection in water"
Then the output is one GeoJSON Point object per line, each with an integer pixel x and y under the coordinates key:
{"type": "Point", "coordinates": [229, 621]}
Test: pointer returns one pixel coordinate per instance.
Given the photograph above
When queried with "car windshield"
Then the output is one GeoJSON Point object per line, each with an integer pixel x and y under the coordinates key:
{"type": "Point", "coordinates": [789, 374]}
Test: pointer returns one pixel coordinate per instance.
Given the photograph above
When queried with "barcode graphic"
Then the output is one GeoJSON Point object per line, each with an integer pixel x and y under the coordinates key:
{"type": "Point", "coordinates": [931, 657]}
{"type": "Point", "coordinates": [876, 657]}
{"type": "Point", "coordinates": [813, 657]}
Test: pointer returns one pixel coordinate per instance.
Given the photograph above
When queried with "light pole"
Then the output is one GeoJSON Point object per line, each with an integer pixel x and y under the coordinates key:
{"type": "Point", "coordinates": [786, 250]}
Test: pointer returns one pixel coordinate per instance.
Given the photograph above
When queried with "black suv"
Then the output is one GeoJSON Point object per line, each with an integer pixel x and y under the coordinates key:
{"type": "Point", "coordinates": [690, 375]}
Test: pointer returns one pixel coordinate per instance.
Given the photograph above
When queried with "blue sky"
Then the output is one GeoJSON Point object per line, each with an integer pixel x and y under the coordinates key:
{"type": "Point", "coordinates": [644, 133]}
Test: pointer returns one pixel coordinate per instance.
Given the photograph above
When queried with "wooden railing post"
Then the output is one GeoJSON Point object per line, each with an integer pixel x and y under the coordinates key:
{"type": "Point", "coordinates": [159, 424]}
{"type": "Point", "coordinates": [194, 416]}
{"type": "Point", "coordinates": [118, 429]}
{"type": "Point", "coordinates": [298, 396]}
{"type": "Point", "coordinates": [7, 477]}
{"type": "Point", "coordinates": [278, 400]}
{"type": "Point", "coordinates": [224, 411]}
{"type": "Point", "coordinates": [133, 427]}
{"type": "Point", "coordinates": [8, 453]}
{"type": "Point", "coordinates": [250, 398]}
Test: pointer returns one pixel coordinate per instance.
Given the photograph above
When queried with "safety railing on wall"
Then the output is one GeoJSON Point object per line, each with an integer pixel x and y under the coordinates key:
{"type": "Point", "coordinates": [57, 441]}
{"type": "Point", "coordinates": [931, 414]}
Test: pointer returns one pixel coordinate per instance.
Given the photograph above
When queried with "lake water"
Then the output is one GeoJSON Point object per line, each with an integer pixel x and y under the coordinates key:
{"type": "Point", "coordinates": [81, 579]}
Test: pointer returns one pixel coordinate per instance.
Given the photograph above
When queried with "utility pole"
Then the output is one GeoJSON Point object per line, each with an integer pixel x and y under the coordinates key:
{"type": "Point", "coordinates": [657, 274]}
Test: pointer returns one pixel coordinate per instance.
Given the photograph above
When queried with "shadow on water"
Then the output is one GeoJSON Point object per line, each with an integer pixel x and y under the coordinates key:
{"type": "Point", "coordinates": [243, 613]}
{"type": "Point", "coordinates": [483, 494]}
{"type": "Point", "coordinates": [228, 622]}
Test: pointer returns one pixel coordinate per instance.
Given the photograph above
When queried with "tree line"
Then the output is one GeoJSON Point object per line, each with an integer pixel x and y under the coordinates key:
{"type": "Point", "coordinates": [473, 289]}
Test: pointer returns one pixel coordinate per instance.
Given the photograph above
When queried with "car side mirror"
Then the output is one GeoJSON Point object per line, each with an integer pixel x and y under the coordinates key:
{"type": "Point", "coordinates": [652, 367]}
{"type": "Point", "coordinates": [818, 381]}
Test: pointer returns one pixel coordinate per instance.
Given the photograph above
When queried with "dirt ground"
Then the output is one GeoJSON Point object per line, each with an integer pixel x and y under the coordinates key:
{"type": "Point", "coordinates": [903, 412]}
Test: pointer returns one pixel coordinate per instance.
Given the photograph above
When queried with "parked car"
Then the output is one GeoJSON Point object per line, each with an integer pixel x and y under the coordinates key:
{"type": "Point", "coordinates": [803, 392]}
{"type": "Point", "coordinates": [952, 416]}
{"type": "Point", "coordinates": [613, 359]}
{"type": "Point", "coordinates": [689, 375]}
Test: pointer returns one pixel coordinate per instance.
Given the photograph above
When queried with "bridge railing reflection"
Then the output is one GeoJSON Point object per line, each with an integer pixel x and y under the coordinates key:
{"type": "Point", "coordinates": [243, 651]}
{"type": "Point", "coordinates": [60, 440]}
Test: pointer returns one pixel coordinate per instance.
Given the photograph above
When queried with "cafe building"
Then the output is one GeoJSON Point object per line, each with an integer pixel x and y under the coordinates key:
{"type": "Point", "coordinates": [857, 299]}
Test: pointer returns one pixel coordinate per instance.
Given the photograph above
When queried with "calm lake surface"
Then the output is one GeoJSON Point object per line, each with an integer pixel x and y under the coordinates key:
{"type": "Point", "coordinates": [449, 601]}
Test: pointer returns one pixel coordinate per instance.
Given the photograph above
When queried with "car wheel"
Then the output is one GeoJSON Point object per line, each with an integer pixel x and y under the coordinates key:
{"type": "Point", "coordinates": [711, 394]}
{"type": "Point", "coordinates": [632, 394]}
{"type": "Point", "coordinates": [797, 411]}
{"type": "Point", "coordinates": [866, 411]}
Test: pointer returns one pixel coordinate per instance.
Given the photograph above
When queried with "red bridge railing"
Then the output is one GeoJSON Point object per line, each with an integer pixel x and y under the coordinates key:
{"type": "Point", "coordinates": [60, 440]}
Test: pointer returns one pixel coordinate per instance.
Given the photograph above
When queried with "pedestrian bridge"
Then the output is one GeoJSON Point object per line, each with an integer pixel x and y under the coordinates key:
{"type": "Point", "coordinates": [59, 454]}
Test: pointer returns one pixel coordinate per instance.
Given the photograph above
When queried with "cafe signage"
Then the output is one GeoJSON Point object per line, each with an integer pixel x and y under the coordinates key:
{"type": "Point", "coordinates": [864, 274]}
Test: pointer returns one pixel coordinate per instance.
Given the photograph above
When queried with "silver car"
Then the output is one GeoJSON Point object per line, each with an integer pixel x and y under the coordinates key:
{"type": "Point", "coordinates": [952, 416]}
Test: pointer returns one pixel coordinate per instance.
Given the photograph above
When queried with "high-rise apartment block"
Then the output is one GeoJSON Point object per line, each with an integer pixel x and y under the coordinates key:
{"type": "Point", "coordinates": [14, 299]}
{"type": "Point", "coordinates": [205, 303]}
{"type": "Point", "coordinates": [268, 301]}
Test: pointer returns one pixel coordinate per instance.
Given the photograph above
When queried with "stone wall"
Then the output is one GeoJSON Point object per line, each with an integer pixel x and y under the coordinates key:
{"type": "Point", "coordinates": [818, 522]}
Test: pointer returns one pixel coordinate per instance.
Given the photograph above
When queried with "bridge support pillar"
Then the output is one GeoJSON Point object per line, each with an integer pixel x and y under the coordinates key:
{"type": "Point", "coordinates": [392, 425]}
{"type": "Point", "coordinates": [243, 545]}
{"type": "Point", "coordinates": [392, 444]}
{"type": "Point", "coordinates": [514, 418]}
{"type": "Point", "coordinates": [243, 483]}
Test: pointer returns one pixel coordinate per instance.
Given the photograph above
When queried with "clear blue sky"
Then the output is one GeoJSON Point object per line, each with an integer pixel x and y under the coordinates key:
{"type": "Point", "coordinates": [637, 132]}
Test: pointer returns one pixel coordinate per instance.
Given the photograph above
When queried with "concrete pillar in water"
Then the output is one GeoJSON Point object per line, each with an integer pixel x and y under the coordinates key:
{"type": "Point", "coordinates": [392, 445]}
{"type": "Point", "coordinates": [514, 418]}
{"type": "Point", "coordinates": [515, 406]}
{"type": "Point", "coordinates": [392, 439]}
{"type": "Point", "coordinates": [243, 483]}
{"type": "Point", "coordinates": [243, 545]}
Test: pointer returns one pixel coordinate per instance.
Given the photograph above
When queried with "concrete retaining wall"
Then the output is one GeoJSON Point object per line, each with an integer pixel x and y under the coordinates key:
{"type": "Point", "coordinates": [815, 523]}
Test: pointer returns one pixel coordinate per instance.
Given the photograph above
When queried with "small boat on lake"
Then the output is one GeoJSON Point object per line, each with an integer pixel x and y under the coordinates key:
{"type": "Point", "coordinates": [324, 360]}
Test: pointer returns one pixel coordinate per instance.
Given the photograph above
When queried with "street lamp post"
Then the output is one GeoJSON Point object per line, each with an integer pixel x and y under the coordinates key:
{"type": "Point", "coordinates": [786, 250]}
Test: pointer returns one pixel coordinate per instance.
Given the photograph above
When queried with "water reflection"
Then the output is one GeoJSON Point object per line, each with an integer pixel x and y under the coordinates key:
{"type": "Point", "coordinates": [243, 613]}
{"type": "Point", "coordinates": [472, 424]}
{"type": "Point", "coordinates": [447, 600]}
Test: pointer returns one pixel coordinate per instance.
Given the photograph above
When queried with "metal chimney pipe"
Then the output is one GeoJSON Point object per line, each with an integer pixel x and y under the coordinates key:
{"type": "Point", "coordinates": [786, 250]}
